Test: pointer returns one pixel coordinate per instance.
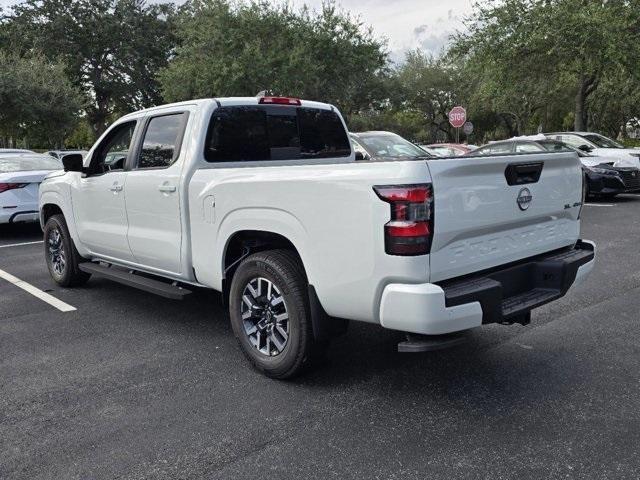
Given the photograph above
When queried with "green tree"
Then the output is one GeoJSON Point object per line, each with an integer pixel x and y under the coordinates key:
{"type": "Point", "coordinates": [430, 86]}
{"type": "Point", "coordinates": [616, 104]}
{"type": "Point", "coordinates": [37, 101]}
{"type": "Point", "coordinates": [524, 54]}
{"type": "Point", "coordinates": [112, 48]}
{"type": "Point", "coordinates": [245, 47]}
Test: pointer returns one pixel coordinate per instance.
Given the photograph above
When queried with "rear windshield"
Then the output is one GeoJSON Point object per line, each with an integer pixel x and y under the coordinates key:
{"type": "Point", "coordinates": [274, 132]}
{"type": "Point", "coordinates": [24, 164]}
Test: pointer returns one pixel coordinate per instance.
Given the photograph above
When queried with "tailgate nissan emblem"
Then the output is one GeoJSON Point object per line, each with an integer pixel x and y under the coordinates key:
{"type": "Point", "coordinates": [524, 199]}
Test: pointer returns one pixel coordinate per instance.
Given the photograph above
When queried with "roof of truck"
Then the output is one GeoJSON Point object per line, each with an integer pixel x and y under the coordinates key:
{"type": "Point", "coordinates": [223, 101]}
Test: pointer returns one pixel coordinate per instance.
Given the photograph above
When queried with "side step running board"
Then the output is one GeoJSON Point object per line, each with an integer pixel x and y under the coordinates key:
{"type": "Point", "coordinates": [127, 277]}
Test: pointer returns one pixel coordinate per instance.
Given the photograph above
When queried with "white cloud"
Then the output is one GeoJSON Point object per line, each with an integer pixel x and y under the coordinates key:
{"type": "Point", "coordinates": [408, 23]}
{"type": "Point", "coordinates": [404, 23]}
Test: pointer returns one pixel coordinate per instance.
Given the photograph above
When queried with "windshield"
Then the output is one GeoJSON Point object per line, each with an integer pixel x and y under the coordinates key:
{"type": "Point", "coordinates": [390, 145]}
{"type": "Point", "coordinates": [444, 151]}
{"type": "Point", "coordinates": [555, 146]}
{"type": "Point", "coordinates": [602, 142]}
{"type": "Point", "coordinates": [28, 163]}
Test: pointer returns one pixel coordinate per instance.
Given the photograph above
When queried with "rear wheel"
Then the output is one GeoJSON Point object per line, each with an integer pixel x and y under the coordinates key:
{"type": "Point", "coordinates": [61, 254]}
{"type": "Point", "coordinates": [270, 316]}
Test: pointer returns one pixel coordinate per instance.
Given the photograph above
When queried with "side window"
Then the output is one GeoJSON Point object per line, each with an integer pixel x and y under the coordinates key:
{"type": "Point", "coordinates": [528, 148]}
{"type": "Point", "coordinates": [501, 148]}
{"type": "Point", "coordinates": [162, 140]}
{"type": "Point", "coordinates": [496, 149]}
{"type": "Point", "coordinates": [112, 153]}
{"type": "Point", "coordinates": [572, 140]}
{"type": "Point", "coordinates": [262, 133]}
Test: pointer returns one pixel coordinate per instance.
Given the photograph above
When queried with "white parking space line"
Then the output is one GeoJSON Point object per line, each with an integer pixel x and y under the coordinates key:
{"type": "Point", "coordinates": [599, 205]}
{"type": "Point", "coordinates": [36, 292]}
{"type": "Point", "coordinates": [20, 244]}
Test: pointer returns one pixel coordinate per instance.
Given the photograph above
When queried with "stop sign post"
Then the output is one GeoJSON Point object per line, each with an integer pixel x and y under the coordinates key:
{"type": "Point", "coordinates": [457, 118]}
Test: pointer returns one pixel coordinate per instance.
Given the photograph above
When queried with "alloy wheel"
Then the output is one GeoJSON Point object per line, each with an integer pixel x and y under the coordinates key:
{"type": "Point", "coordinates": [57, 255]}
{"type": "Point", "coordinates": [265, 317]}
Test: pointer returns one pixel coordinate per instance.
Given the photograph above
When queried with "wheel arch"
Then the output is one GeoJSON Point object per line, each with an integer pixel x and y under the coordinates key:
{"type": "Point", "coordinates": [52, 203]}
{"type": "Point", "coordinates": [244, 242]}
{"type": "Point", "coordinates": [47, 211]}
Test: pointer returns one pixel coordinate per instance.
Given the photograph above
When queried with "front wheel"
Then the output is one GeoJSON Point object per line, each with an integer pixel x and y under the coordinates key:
{"type": "Point", "coordinates": [61, 254]}
{"type": "Point", "coordinates": [270, 316]}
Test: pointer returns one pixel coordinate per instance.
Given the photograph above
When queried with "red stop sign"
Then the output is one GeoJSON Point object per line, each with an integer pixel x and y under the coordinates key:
{"type": "Point", "coordinates": [457, 116]}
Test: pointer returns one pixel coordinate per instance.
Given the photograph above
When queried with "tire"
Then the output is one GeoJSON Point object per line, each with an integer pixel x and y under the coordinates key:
{"type": "Point", "coordinates": [261, 314]}
{"type": "Point", "coordinates": [61, 255]}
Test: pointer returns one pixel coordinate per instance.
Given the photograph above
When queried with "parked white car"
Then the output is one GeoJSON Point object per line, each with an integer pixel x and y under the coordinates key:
{"type": "Point", "coordinates": [262, 199]}
{"type": "Point", "coordinates": [603, 178]}
{"type": "Point", "coordinates": [600, 146]}
{"type": "Point", "coordinates": [14, 151]}
{"type": "Point", "coordinates": [20, 176]}
{"type": "Point", "coordinates": [61, 153]}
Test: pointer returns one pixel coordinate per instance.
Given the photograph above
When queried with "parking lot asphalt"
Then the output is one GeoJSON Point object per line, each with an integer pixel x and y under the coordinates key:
{"type": "Point", "coordinates": [135, 386]}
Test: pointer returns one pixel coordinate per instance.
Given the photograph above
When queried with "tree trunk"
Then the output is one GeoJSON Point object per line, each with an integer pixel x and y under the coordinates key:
{"type": "Point", "coordinates": [98, 113]}
{"type": "Point", "coordinates": [581, 100]}
{"type": "Point", "coordinates": [98, 121]}
{"type": "Point", "coordinates": [586, 86]}
{"type": "Point", "coordinates": [623, 129]}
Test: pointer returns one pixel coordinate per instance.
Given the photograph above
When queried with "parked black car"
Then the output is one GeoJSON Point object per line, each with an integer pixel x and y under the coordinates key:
{"type": "Point", "coordinates": [603, 179]}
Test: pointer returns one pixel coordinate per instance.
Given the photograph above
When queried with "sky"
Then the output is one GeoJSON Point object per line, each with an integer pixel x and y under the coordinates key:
{"type": "Point", "coordinates": [406, 24]}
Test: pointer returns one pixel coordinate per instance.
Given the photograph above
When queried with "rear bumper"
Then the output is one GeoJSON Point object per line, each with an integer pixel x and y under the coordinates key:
{"type": "Point", "coordinates": [13, 216]}
{"type": "Point", "coordinates": [500, 295]}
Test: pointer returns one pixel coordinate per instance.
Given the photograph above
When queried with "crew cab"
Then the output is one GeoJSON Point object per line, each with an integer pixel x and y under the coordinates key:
{"type": "Point", "coordinates": [262, 200]}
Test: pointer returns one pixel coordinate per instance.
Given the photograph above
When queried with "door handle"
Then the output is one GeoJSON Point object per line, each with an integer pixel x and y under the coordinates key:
{"type": "Point", "coordinates": [116, 188]}
{"type": "Point", "coordinates": [167, 188]}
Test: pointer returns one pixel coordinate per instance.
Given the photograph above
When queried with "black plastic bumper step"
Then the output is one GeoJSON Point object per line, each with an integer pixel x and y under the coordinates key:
{"type": "Point", "coordinates": [132, 279]}
{"type": "Point", "coordinates": [528, 300]}
{"type": "Point", "coordinates": [508, 293]}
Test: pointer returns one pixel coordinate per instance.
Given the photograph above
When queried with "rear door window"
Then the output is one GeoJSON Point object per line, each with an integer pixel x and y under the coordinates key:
{"type": "Point", "coordinates": [162, 139]}
{"type": "Point", "coordinates": [526, 147]}
{"type": "Point", "coordinates": [274, 132]}
{"type": "Point", "coordinates": [573, 140]}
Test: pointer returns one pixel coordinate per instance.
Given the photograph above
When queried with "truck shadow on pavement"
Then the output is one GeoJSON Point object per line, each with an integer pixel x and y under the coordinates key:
{"type": "Point", "coordinates": [488, 371]}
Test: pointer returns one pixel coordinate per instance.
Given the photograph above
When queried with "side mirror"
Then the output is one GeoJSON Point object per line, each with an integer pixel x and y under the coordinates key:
{"type": "Point", "coordinates": [73, 162]}
{"type": "Point", "coordinates": [360, 156]}
{"type": "Point", "coordinates": [585, 148]}
{"type": "Point", "coordinates": [118, 164]}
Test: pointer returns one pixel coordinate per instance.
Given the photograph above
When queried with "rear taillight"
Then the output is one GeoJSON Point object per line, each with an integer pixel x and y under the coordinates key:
{"type": "Point", "coordinates": [280, 101]}
{"type": "Point", "coordinates": [410, 230]}
{"type": "Point", "coordinates": [11, 186]}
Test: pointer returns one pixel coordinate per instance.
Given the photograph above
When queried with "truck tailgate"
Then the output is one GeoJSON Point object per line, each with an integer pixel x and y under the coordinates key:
{"type": "Point", "coordinates": [489, 211]}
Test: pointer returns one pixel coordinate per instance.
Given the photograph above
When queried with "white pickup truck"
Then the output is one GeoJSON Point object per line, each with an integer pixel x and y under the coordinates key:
{"type": "Point", "coordinates": [263, 199]}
